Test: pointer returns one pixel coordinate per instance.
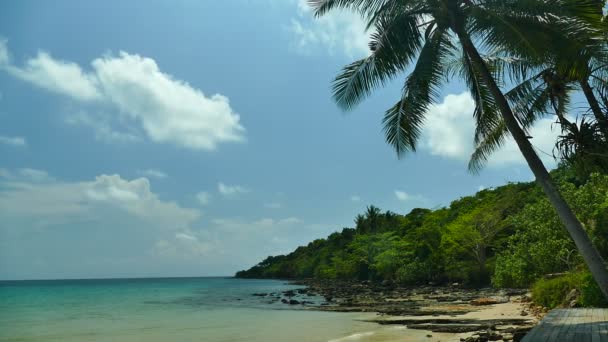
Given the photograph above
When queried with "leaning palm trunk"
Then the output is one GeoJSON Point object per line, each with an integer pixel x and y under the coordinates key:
{"type": "Point", "coordinates": [573, 225]}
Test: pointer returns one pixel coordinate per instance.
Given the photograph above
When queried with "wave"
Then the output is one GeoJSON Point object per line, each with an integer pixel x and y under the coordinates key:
{"type": "Point", "coordinates": [353, 337]}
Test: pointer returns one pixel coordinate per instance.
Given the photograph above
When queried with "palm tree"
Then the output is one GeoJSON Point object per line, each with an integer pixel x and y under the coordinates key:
{"type": "Point", "coordinates": [430, 32]}
{"type": "Point", "coordinates": [372, 214]}
{"type": "Point", "coordinates": [547, 92]}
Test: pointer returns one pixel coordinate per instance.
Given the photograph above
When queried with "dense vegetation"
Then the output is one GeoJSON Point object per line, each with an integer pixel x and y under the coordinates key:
{"type": "Point", "coordinates": [509, 236]}
{"type": "Point", "coordinates": [547, 49]}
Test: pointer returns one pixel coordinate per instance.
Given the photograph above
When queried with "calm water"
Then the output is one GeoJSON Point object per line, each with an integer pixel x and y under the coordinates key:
{"type": "Point", "coordinates": [177, 309]}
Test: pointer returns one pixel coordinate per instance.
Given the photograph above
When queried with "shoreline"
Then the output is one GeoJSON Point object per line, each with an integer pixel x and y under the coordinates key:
{"type": "Point", "coordinates": [442, 313]}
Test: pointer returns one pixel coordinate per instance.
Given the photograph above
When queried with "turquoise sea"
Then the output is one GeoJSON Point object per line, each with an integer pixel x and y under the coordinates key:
{"type": "Point", "coordinates": [173, 309]}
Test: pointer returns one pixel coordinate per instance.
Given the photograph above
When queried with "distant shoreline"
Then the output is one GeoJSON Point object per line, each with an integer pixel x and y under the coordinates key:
{"type": "Point", "coordinates": [119, 278]}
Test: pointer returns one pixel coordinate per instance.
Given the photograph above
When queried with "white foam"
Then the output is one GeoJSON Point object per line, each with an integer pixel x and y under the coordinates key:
{"type": "Point", "coordinates": [353, 337]}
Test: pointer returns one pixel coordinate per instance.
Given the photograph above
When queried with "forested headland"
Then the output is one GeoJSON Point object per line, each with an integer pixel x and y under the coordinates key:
{"type": "Point", "coordinates": [508, 236]}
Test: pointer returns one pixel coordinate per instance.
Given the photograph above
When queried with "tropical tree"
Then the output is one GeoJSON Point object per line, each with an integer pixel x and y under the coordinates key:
{"type": "Point", "coordinates": [431, 32]}
{"type": "Point", "coordinates": [549, 92]}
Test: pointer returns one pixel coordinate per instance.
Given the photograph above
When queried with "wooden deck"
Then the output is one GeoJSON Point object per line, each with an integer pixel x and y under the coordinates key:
{"type": "Point", "coordinates": [584, 325]}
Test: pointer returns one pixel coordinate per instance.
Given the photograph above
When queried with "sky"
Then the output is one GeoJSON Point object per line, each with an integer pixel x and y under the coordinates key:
{"type": "Point", "coordinates": [195, 138]}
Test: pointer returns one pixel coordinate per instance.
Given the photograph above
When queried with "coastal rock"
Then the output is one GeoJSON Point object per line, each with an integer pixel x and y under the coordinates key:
{"type": "Point", "coordinates": [294, 302]}
{"type": "Point", "coordinates": [572, 298]}
{"type": "Point", "coordinates": [489, 301]}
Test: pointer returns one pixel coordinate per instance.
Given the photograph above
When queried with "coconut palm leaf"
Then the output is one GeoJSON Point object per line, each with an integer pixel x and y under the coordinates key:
{"type": "Point", "coordinates": [403, 122]}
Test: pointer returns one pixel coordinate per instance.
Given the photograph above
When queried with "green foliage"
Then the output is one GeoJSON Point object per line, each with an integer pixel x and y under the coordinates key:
{"type": "Point", "coordinates": [552, 293]}
{"type": "Point", "coordinates": [591, 295]}
{"type": "Point", "coordinates": [540, 245]}
{"type": "Point", "coordinates": [509, 235]}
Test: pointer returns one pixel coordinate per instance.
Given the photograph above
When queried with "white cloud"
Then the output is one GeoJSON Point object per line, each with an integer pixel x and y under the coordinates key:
{"type": "Point", "coordinates": [242, 242]}
{"type": "Point", "coordinates": [404, 196]}
{"type": "Point", "coordinates": [35, 175]}
{"type": "Point", "coordinates": [25, 175]}
{"type": "Point", "coordinates": [167, 110]}
{"type": "Point", "coordinates": [103, 126]}
{"type": "Point", "coordinates": [153, 173]}
{"type": "Point", "coordinates": [231, 190]}
{"type": "Point", "coordinates": [13, 141]}
{"type": "Point", "coordinates": [273, 205]}
{"type": "Point", "coordinates": [203, 197]}
{"type": "Point", "coordinates": [62, 77]}
{"type": "Point", "coordinates": [355, 198]}
{"type": "Point", "coordinates": [336, 32]}
{"type": "Point", "coordinates": [185, 245]}
{"type": "Point", "coordinates": [4, 56]}
{"type": "Point", "coordinates": [33, 196]}
{"type": "Point", "coordinates": [450, 127]}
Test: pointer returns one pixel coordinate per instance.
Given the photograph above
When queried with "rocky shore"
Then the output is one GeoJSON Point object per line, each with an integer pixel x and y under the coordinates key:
{"type": "Point", "coordinates": [469, 315]}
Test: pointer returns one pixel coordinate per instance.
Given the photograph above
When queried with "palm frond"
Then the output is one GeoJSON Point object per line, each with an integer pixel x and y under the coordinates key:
{"type": "Point", "coordinates": [394, 45]}
{"type": "Point", "coordinates": [403, 122]}
{"type": "Point", "coordinates": [535, 29]}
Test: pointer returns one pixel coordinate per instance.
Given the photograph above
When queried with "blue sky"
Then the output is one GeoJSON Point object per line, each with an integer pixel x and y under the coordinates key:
{"type": "Point", "coordinates": [187, 138]}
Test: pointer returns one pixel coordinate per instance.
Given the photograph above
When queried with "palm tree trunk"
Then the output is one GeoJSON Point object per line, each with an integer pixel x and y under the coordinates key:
{"type": "Point", "coordinates": [602, 119]}
{"type": "Point", "coordinates": [573, 225]}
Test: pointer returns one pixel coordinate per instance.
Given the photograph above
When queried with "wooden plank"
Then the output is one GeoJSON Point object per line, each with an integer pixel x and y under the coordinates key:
{"type": "Point", "coordinates": [557, 324]}
{"type": "Point", "coordinates": [561, 331]}
{"type": "Point", "coordinates": [604, 326]}
{"type": "Point", "coordinates": [565, 325]}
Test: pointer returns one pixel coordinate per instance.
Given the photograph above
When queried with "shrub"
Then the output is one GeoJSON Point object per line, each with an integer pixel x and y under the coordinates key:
{"type": "Point", "coordinates": [552, 293]}
{"type": "Point", "coordinates": [591, 295]}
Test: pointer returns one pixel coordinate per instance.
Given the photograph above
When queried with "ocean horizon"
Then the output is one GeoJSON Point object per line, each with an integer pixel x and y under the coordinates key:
{"type": "Point", "coordinates": [180, 308]}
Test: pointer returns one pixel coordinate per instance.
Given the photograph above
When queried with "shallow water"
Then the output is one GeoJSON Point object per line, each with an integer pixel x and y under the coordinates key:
{"type": "Point", "coordinates": [178, 309]}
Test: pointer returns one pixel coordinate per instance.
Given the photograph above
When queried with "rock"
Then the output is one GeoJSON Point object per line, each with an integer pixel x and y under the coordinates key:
{"type": "Point", "coordinates": [429, 335]}
{"type": "Point", "coordinates": [490, 300]}
{"type": "Point", "coordinates": [524, 313]}
{"type": "Point", "coordinates": [572, 298]}
{"type": "Point", "coordinates": [289, 293]}
{"type": "Point", "coordinates": [484, 301]}
{"type": "Point", "coordinates": [284, 301]}
{"type": "Point", "coordinates": [260, 294]}
{"type": "Point", "coordinates": [293, 302]}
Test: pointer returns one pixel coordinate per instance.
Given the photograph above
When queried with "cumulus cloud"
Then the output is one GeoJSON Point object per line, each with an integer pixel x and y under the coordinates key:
{"type": "Point", "coordinates": [61, 77]}
{"type": "Point", "coordinates": [355, 198]}
{"type": "Point", "coordinates": [32, 195]}
{"type": "Point", "coordinates": [450, 127]}
{"type": "Point", "coordinates": [238, 241]}
{"type": "Point", "coordinates": [165, 109]}
{"type": "Point", "coordinates": [105, 127]}
{"type": "Point", "coordinates": [231, 190]}
{"type": "Point", "coordinates": [13, 141]}
{"type": "Point", "coordinates": [112, 226]}
{"type": "Point", "coordinates": [336, 32]}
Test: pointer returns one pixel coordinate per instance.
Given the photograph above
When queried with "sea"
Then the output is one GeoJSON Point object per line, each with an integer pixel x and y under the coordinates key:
{"type": "Point", "coordinates": [175, 309]}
